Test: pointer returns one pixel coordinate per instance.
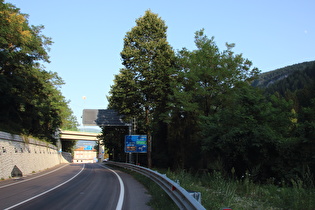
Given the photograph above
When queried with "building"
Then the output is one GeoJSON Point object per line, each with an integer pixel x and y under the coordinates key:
{"type": "Point", "coordinates": [84, 155]}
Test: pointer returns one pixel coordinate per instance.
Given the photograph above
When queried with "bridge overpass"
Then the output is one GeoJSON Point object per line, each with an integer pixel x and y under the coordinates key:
{"type": "Point", "coordinates": [78, 135]}
{"type": "Point", "coordinates": [82, 136]}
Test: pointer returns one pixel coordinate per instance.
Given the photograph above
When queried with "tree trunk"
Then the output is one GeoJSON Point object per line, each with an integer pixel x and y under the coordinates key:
{"type": "Point", "coordinates": [149, 142]}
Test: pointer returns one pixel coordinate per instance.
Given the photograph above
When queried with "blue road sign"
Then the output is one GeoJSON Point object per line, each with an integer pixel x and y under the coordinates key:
{"type": "Point", "coordinates": [88, 147]}
{"type": "Point", "coordinates": [136, 143]}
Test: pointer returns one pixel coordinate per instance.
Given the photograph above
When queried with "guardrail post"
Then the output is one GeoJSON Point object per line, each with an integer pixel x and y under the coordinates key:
{"type": "Point", "coordinates": [196, 195]}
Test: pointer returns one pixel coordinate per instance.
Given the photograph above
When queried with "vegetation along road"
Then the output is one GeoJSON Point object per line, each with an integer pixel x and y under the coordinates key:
{"type": "Point", "coordinates": [74, 186]}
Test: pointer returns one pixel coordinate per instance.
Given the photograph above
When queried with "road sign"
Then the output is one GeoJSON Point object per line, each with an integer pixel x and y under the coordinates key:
{"type": "Point", "coordinates": [88, 147]}
{"type": "Point", "coordinates": [136, 143]}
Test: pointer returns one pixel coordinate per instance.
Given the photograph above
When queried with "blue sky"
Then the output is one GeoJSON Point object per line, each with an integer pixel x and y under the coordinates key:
{"type": "Point", "coordinates": [88, 35]}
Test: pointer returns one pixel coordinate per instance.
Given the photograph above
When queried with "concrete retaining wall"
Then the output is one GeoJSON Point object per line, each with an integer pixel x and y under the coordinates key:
{"type": "Point", "coordinates": [28, 155]}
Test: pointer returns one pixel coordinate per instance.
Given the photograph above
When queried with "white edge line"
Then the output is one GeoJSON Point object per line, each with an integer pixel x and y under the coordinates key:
{"type": "Point", "coordinates": [122, 189]}
{"type": "Point", "coordinates": [32, 177]}
{"type": "Point", "coordinates": [36, 196]}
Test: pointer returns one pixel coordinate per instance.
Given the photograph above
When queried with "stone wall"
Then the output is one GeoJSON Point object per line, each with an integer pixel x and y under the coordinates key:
{"type": "Point", "coordinates": [27, 155]}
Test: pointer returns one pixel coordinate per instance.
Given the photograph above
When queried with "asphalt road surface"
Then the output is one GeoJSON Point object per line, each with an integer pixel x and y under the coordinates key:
{"type": "Point", "coordinates": [74, 186]}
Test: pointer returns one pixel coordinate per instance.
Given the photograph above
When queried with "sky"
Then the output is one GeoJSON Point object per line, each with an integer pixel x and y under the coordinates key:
{"type": "Point", "coordinates": [88, 35]}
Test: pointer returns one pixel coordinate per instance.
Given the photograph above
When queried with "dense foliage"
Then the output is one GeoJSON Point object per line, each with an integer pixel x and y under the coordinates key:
{"type": "Point", "coordinates": [299, 88]}
{"type": "Point", "coordinates": [30, 99]}
{"type": "Point", "coordinates": [205, 114]}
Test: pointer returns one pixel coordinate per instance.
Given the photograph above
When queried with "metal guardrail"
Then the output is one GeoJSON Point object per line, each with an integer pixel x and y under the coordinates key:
{"type": "Point", "coordinates": [179, 195]}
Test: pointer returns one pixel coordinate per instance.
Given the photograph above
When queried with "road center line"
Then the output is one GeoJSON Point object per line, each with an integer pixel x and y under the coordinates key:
{"type": "Point", "coordinates": [36, 196]}
{"type": "Point", "coordinates": [122, 189]}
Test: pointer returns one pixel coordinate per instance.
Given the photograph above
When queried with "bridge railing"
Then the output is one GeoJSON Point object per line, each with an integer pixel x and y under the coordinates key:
{"type": "Point", "coordinates": [179, 195]}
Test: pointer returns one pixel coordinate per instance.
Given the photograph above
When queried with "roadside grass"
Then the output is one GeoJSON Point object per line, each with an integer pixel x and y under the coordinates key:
{"type": "Point", "coordinates": [217, 192]}
{"type": "Point", "coordinates": [159, 198]}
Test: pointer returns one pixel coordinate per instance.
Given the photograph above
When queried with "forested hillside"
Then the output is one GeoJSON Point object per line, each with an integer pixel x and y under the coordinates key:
{"type": "Point", "coordinates": [268, 78]}
{"type": "Point", "coordinates": [295, 83]}
{"type": "Point", "coordinates": [295, 80]}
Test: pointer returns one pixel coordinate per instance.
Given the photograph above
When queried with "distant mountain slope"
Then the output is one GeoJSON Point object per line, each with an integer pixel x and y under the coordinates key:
{"type": "Point", "coordinates": [295, 83]}
{"type": "Point", "coordinates": [268, 78]}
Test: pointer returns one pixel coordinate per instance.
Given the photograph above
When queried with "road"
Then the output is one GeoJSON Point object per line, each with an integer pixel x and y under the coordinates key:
{"type": "Point", "coordinates": [74, 186]}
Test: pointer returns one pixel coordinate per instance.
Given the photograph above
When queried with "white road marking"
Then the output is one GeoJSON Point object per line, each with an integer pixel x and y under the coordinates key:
{"type": "Point", "coordinates": [122, 189]}
{"type": "Point", "coordinates": [36, 196]}
{"type": "Point", "coordinates": [32, 178]}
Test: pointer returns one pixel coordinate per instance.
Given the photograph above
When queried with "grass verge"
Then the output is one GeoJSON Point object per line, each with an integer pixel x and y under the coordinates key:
{"type": "Point", "coordinates": [218, 192]}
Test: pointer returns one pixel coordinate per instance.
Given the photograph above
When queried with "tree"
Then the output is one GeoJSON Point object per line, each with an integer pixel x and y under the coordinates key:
{"type": "Point", "coordinates": [248, 132]}
{"type": "Point", "coordinates": [209, 74]}
{"type": "Point", "coordinates": [112, 137]}
{"type": "Point", "coordinates": [204, 81]}
{"type": "Point", "coordinates": [31, 102]}
{"type": "Point", "coordinates": [144, 84]}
